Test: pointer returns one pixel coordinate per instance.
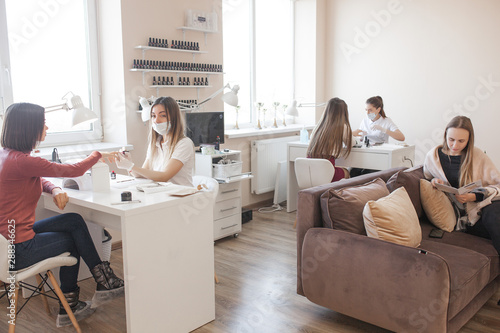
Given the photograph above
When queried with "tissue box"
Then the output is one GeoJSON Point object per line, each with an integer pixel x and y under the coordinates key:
{"type": "Point", "coordinates": [222, 171]}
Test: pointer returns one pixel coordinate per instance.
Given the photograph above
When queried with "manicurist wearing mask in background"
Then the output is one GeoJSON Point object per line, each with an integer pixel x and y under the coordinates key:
{"type": "Point", "coordinates": [376, 125]}
{"type": "Point", "coordinates": [170, 155]}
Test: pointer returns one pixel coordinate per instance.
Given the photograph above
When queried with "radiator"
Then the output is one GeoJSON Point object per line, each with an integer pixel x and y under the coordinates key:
{"type": "Point", "coordinates": [264, 162]}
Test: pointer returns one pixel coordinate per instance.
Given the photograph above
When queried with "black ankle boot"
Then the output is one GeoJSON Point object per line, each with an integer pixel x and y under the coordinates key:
{"type": "Point", "coordinates": [109, 286]}
{"type": "Point", "coordinates": [80, 309]}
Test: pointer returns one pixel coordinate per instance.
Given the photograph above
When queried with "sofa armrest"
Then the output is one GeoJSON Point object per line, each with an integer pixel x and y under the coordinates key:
{"type": "Point", "coordinates": [392, 286]}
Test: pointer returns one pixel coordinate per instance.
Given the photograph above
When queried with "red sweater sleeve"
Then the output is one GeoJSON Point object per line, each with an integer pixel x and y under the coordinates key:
{"type": "Point", "coordinates": [39, 167]}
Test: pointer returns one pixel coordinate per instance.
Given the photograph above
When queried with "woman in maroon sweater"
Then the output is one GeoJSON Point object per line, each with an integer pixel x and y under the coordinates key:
{"type": "Point", "coordinates": [21, 185]}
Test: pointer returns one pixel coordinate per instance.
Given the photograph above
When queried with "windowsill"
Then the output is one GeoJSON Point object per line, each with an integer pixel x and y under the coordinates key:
{"type": "Point", "coordinates": [247, 132]}
{"type": "Point", "coordinates": [73, 151]}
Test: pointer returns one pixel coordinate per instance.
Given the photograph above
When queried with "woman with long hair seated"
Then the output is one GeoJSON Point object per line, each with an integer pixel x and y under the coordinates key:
{"type": "Point", "coordinates": [332, 136]}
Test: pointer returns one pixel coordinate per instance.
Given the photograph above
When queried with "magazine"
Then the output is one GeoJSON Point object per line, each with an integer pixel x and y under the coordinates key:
{"type": "Point", "coordinates": [462, 190]}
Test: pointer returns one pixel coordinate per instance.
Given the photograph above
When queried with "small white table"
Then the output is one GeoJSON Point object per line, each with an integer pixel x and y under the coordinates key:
{"type": "Point", "coordinates": [381, 157]}
{"type": "Point", "coordinates": [168, 253]}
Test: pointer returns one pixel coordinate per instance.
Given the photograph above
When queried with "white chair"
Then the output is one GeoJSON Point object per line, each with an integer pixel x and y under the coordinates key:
{"type": "Point", "coordinates": [210, 185]}
{"type": "Point", "coordinates": [12, 281]}
{"type": "Point", "coordinates": [312, 172]}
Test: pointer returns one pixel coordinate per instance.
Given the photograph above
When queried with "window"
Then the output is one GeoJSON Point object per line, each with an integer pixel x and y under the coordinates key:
{"type": "Point", "coordinates": [52, 51]}
{"type": "Point", "coordinates": [258, 56]}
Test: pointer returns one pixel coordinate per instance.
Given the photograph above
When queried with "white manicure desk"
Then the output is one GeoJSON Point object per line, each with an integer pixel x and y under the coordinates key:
{"type": "Point", "coordinates": [381, 157]}
{"type": "Point", "coordinates": [168, 253]}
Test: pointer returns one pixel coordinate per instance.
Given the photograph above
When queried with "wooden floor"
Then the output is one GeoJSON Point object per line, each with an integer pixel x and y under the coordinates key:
{"type": "Point", "coordinates": [256, 293]}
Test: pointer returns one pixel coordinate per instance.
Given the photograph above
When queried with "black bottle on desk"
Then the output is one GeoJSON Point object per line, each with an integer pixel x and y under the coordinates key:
{"type": "Point", "coordinates": [217, 143]}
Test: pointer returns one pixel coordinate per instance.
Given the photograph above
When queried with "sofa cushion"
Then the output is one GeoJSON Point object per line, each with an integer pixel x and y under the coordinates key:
{"type": "Point", "coordinates": [342, 209]}
{"type": "Point", "coordinates": [465, 240]}
{"type": "Point", "coordinates": [409, 179]}
{"type": "Point", "coordinates": [469, 273]}
{"type": "Point", "coordinates": [437, 206]}
{"type": "Point", "coordinates": [393, 219]}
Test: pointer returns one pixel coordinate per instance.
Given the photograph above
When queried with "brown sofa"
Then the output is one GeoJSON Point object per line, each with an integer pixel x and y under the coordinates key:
{"type": "Point", "coordinates": [436, 287]}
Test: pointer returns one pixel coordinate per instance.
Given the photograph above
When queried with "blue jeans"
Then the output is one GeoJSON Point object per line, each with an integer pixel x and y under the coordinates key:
{"type": "Point", "coordinates": [56, 235]}
{"type": "Point", "coordinates": [488, 225]}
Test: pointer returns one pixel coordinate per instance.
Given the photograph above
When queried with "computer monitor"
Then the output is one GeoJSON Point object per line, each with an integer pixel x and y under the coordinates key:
{"type": "Point", "coordinates": [205, 127]}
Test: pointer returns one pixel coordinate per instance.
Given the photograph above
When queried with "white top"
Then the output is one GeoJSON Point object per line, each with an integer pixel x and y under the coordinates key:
{"type": "Point", "coordinates": [376, 136]}
{"type": "Point", "coordinates": [183, 152]}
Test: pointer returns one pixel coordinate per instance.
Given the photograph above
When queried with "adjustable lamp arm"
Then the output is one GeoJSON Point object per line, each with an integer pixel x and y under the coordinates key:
{"type": "Point", "coordinates": [214, 94]}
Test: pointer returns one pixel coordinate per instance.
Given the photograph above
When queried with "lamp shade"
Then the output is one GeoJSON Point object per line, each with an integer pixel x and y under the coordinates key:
{"type": "Point", "coordinates": [231, 97]}
{"type": "Point", "coordinates": [292, 109]}
{"type": "Point", "coordinates": [81, 114]}
{"type": "Point", "coordinates": [146, 109]}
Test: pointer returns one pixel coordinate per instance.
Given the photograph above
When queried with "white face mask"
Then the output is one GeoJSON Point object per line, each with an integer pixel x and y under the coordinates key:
{"type": "Point", "coordinates": [162, 128]}
{"type": "Point", "coordinates": [372, 116]}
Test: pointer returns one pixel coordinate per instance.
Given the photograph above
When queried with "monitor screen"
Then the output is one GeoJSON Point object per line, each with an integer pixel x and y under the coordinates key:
{"type": "Point", "coordinates": [205, 127]}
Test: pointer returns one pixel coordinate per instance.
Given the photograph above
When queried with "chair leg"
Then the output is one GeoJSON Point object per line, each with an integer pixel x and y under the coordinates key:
{"type": "Point", "coordinates": [64, 302]}
{"type": "Point", "coordinates": [216, 279]}
{"type": "Point", "coordinates": [13, 322]}
{"type": "Point", "coordinates": [42, 293]}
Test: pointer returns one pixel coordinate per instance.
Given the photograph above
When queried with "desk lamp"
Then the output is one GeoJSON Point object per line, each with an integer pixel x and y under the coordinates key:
{"type": "Point", "coordinates": [81, 114]}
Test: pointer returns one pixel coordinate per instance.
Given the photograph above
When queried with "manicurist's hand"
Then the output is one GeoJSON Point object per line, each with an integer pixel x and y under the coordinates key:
{"type": "Point", "coordinates": [60, 198]}
{"type": "Point", "coordinates": [124, 163]}
{"type": "Point", "coordinates": [467, 197]}
{"type": "Point", "coordinates": [436, 180]}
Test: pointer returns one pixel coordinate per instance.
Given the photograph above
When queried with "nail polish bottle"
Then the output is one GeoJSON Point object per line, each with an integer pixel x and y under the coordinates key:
{"type": "Point", "coordinates": [171, 80]}
{"type": "Point", "coordinates": [180, 81]}
{"type": "Point", "coordinates": [154, 80]}
{"type": "Point", "coordinates": [187, 82]}
{"type": "Point", "coordinates": [135, 64]}
{"type": "Point", "coordinates": [166, 43]}
{"type": "Point", "coordinates": [206, 81]}
{"type": "Point", "coordinates": [150, 43]}
{"type": "Point", "coordinates": [197, 47]}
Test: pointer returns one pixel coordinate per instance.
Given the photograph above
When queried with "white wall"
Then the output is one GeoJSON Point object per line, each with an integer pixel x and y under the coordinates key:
{"type": "Point", "coordinates": [429, 60]}
{"type": "Point", "coordinates": [125, 24]}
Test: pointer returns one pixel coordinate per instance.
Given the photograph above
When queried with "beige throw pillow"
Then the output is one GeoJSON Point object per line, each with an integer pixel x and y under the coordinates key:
{"type": "Point", "coordinates": [437, 206]}
{"type": "Point", "coordinates": [393, 218]}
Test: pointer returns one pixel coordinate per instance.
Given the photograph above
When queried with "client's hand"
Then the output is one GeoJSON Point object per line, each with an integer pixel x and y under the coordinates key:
{"type": "Point", "coordinates": [123, 163]}
{"type": "Point", "coordinates": [358, 132]}
{"type": "Point", "coordinates": [467, 197]}
{"type": "Point", "coordinates": [60, 198]}
{"type": "Point", "coordinates": [436, 180]}
{"type": "Point", "coordinates": [109, 156]}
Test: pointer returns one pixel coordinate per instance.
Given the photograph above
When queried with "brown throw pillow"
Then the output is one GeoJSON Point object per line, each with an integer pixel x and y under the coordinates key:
{"type": "Point", "coordinates": [409, 179]}
{"type": "Point", "coordinates": [437, 206]}
{"type": "Point", "coordinates": [342, 209]}
{"type": "Point", "coordinates": [393, 219]}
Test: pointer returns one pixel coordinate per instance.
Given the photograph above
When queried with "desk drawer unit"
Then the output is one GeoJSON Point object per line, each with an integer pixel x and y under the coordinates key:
{"type": "Point", "coordinates": [227, 226]}
{"type": "Point", "coordinates": [228, 191]}
{"type": "Point", "coordinates": [227, 207]}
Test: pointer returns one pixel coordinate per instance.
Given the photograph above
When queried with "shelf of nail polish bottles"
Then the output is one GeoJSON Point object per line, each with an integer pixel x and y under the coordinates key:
{"type": "Point", "coordinates": [142, 47]}
{"type": "Point", "coordinates": [169, 71]}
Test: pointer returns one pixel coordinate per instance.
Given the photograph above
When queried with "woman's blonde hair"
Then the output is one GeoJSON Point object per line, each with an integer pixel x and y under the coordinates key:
{"type": "Point", "coordinates": [176, 120]}
{"type": "Point", "coordinates": [332, 131]}
{"type": "Point", "coordinates": [467, 157]}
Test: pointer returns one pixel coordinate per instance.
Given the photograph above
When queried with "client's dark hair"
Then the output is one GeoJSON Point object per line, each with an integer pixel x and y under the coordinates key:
{"type": "Point", "coordinates": [23, 125]}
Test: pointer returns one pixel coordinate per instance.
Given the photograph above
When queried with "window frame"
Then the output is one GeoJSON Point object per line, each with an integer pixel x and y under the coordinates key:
{"type": "Point", "coordinates": [6, 91]}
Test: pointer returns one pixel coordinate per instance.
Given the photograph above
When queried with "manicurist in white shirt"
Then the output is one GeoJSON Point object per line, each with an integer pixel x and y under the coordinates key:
{"type": "Point", "coordinates": [170, 156]}
{"type": "Point", "coordinates": [376, 125]}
